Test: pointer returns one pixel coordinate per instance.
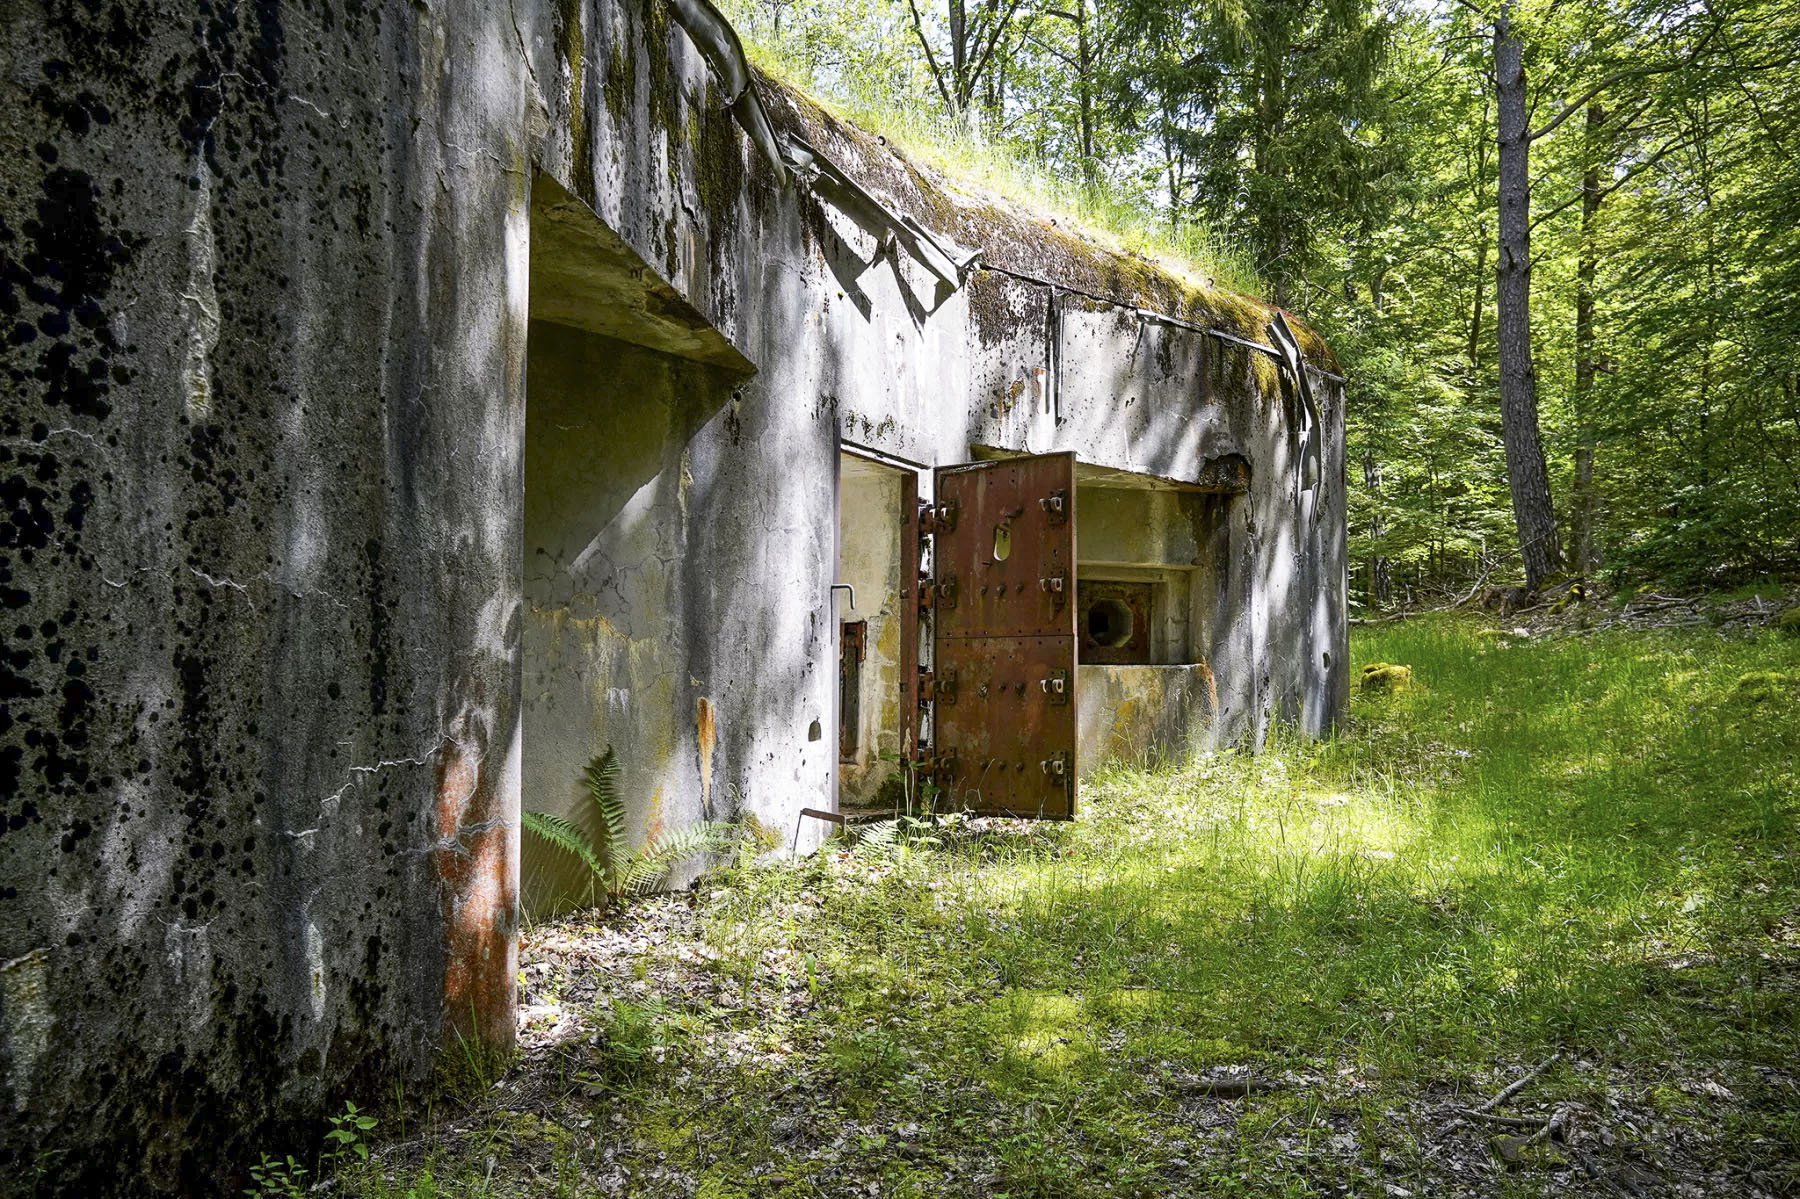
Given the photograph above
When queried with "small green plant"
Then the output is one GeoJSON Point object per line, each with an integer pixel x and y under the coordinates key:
{"type": "Point", "coordinates": [635, 1036]}
{"type": "Point", "coordinates": [345, 1140]}
{"type": "Point", "coordinates": [615, 868]}
{"type": "Point", "coordinates": [284, 1179]}
{"type": "Point", "coordinates": [345, 1144]}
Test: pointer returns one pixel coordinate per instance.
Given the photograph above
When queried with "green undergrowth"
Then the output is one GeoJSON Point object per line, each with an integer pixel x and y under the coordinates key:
{"type": "Point", "coordinates": [1582, 846]}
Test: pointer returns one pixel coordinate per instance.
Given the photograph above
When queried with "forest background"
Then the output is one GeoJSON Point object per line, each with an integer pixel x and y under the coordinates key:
{"type": "Point", "coordinates": [1554, 244]}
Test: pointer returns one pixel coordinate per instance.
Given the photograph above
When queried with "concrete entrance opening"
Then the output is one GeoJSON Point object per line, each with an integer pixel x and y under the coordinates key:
{"type": "Point", "coordinates": [877, 622]}
{"type": "Point", "coordinates": [620, 375]}
{"type": "Point", "coordinates": [1154, 596]}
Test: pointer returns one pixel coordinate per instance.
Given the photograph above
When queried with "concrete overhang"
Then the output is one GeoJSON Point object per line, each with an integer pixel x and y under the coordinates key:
{"type": "Point", "coordinates": [583, 274]}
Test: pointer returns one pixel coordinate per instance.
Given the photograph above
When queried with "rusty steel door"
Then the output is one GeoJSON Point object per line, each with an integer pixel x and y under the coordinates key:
{"type": "Point", "coordinates": [1003, 680]}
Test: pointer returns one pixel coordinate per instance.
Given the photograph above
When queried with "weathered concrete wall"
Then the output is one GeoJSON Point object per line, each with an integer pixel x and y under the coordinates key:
{"type": "Point", "coordinates": [267, 280]}
{"type": "Point", "coordinates": [1141, 716]}
{"type": "Point", "coordinates": [263, 372]}
{"type": "Point", "coordinates": [1140, 527]}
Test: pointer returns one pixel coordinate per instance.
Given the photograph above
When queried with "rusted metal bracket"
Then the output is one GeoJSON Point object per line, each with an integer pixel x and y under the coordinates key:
{"type": "Point", "coordinates": [836, 818]}
{"type": "Point", "coordinates": [942, 767]}
{"type": "Point", "coordinates": [1056, 506]}
{"type": "Point", "coordinates": [1056, 765]}
{"type": "Point", "coordinates": [1056, 686]}
{"type": "Point", "coordinates": [944, 591]}
{"type": "Point", "coordinates": [943, 687]}
{"type": "Point", "coordinates": [1056, 587]}
{"type": "Point", "coordinates": [937, 519]}
{"type": "Point", "coordinates": [854, 637]}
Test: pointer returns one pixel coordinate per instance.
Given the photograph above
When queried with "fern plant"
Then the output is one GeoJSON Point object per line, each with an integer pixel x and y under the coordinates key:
{"type": "Point", "coordinates": [615, 868]}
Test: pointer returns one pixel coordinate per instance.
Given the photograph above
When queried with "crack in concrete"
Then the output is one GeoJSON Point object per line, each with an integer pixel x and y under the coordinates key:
{"type": "Point", "coordinates": [340, 122]}
{"type": "Point", "coordinates": [213, 581]}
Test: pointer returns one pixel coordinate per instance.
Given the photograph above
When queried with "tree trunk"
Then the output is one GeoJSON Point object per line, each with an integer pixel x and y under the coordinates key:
{"type": "Point", "coordinates": [1480, 300]}
{"type": "Point", "coordinates": [1084, 86]}
{"type": "Point", "coordinates": [1582, 558]}
{"type": "Point", "coordinates": [1527, 476]}
{"type": "Point", "coordinates": [959, 56]}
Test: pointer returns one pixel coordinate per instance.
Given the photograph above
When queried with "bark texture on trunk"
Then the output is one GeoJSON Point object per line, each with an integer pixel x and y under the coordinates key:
{"type": "Point", "coordinates": [1527, 476]}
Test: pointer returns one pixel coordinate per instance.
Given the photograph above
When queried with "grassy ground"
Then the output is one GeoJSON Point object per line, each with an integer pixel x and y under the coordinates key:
{"type": "Point", "coordinates": [1582, 847]}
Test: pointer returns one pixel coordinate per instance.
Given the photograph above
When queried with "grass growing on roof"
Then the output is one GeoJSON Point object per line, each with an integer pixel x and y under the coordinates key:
{"type": "Point", "coordinates": [1584, 846]}
{"type": "Point", "coordinates": [1101, 210]}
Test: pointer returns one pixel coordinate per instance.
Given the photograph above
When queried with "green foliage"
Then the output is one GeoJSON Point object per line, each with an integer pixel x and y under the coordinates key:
{"type": "Point", "coordinates": [347, 1144]}
{"type": "Point", "coordinates": [348, 1139]}
{"type": "Point", "coordinates": [278, 1179]}
{"type": "Point", "coordinates": [861, 60]}
{"type": "Point", "coordinates": [616, 868]}
{"type": "Point", "coordinates": [638, 1035]}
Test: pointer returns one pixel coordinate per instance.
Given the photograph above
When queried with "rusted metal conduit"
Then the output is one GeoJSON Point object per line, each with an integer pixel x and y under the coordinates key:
{"type": "Point", "coordinates": [1150, 314]}
{"type": "Point", "coordinates": [718, 43]}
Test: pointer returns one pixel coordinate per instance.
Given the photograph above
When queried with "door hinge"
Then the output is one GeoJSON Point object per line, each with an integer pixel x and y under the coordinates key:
{"type": "Point", "coordinates": [939, 765]}
{"type": "Point", "coordinates": [1056, 506]}
{"type": "Point", "coordinates": [939, 686]}
{"type": "Point", "coordinates": [1056, 686]}
{"type": "Point", "coordinates": [944, 591]}
{"type": "Point", "coordinates": [1056, 587]}
{"type": "Point", "coordinates": [1056, 766]}
{"type": "Point", "coordinates": [940, 518]}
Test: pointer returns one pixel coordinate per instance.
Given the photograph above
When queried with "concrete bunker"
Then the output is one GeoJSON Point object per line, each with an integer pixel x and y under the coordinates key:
{"type": "Point", "coordinates": [441, 466]}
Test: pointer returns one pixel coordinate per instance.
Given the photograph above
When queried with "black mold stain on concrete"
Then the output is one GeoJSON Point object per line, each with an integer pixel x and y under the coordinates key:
{"type": "Point", "coordinates": [149, 801]}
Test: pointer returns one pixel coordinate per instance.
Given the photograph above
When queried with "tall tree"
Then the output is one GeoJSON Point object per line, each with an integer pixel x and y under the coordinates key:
{"type": "Point", "coordinates": [960, 49]}
{"type": "Point", "coordinates": [1269, 97]}
{"type": "Point", "coordinates": [1528, 477]}
{"type": "Point", "coordinates": [1582, 557]}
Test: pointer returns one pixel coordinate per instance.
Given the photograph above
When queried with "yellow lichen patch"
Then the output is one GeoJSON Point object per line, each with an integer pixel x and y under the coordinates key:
{"type": "Point", "coordinates": [1383, 678]}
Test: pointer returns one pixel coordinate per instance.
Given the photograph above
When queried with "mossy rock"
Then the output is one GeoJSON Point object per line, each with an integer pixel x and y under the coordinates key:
{"type": "Point", "coordinates": [1384, 678]}
{"type": "Point", "coordinates": [1761, 687]}
{"type": "Point", "coordinates": [1789, 622]}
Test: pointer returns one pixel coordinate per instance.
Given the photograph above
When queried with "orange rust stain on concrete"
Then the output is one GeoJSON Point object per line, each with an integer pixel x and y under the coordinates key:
{"type": "Point", "coordinates": [653, 818]}
{"type": "Point", "coordinates": [475, 860]}
{"type": "Point", "coordinates": [706, 725]}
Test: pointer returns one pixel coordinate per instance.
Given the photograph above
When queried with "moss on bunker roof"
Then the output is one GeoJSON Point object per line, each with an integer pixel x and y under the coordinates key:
{"type": "Point", "coordinates": [1015, 238]}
